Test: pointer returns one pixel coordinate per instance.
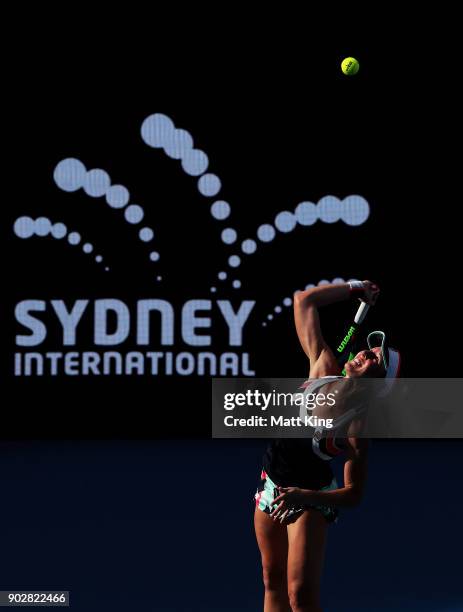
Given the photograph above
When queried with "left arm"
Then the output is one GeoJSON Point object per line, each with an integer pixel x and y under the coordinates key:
{"type": "Point", "coordinates": [355, 473]}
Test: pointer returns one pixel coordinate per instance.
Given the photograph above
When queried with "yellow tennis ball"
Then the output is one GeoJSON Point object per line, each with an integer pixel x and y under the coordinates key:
{"type": "Point", "coordinates": [350, 66]}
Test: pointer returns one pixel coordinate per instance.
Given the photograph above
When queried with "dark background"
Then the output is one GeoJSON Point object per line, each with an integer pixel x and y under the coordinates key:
{"type": "Point", "coordinates": [166, 524]}
{"type": "Point", "coordinates": [280, 124]}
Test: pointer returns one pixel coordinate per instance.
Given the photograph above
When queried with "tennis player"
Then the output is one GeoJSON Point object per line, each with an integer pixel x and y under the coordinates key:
{"type": "Point", "coordinates": [298, 496]}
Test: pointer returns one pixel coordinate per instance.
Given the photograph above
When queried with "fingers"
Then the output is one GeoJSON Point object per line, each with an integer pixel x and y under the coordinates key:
{"type": "Point", "coordinates": [370, 286]}
{"type": "Point", "coordinates": [275, 513]}
{"type": "Point", "coordinates": [371, 295]}
{"type": "Point", "coordinates": [281, 511]}
{"type": "Point", "coordinates": [292, 516]}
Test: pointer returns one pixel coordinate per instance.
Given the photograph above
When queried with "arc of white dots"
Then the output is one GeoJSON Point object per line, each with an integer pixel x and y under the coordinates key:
{"type": "Point", "coordinates": [159, 132]}
{"type": "Point", "coordinates": [287, 301]}
{"type": "Point", "coordinates": [236, 284]}
{"type": "Point", "coordinates": [353, 210]}
{"type": "Point", "coordinates": [26, 227]}
{"type": "Point", "coordinates": [70, 175]}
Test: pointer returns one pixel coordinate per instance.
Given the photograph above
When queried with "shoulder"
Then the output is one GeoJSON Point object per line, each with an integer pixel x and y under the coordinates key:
{"type": "Point", "coordinates": [325, 365]}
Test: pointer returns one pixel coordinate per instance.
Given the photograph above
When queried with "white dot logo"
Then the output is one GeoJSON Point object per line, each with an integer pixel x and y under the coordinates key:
{"type": "Point", "coordinates": [70, 175]}
{"type": "Point", "coordinates": [42, 227]}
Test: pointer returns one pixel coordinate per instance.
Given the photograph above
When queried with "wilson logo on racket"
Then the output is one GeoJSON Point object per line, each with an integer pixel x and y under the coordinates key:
{"type": "Point", "coordinates": [347, 337]}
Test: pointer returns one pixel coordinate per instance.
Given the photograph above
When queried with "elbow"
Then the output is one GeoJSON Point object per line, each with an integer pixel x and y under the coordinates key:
{"type": "Point", "coordinates": [354, 498]}
{"type": "Point", "coordinates": [304, 299]}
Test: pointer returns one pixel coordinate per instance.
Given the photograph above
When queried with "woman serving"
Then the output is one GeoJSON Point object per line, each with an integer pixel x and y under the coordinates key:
{"type": "Point", "coordinates": [298, 496]}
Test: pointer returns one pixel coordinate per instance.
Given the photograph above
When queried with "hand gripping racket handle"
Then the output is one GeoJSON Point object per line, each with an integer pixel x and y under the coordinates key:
{"type": "Point", "coordinates": [361, 313]}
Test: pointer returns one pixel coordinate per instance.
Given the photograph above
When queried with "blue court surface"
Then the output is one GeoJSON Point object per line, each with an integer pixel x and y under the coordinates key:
{"type": "Point", "coordinates": [167, 525]}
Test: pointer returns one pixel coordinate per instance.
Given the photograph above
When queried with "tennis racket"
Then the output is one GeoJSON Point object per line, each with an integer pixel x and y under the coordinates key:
{"type": "Point", "coordinates": [345, 350]}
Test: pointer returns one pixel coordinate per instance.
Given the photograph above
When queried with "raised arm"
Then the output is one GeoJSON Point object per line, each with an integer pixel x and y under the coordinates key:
{"type": "Point", "coordinates": [307, 321]}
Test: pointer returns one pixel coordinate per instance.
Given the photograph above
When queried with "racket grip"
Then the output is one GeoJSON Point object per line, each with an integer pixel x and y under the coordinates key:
{"type": "Point", "coordinates": [361, 313]}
